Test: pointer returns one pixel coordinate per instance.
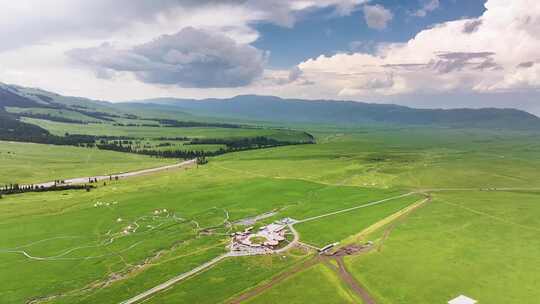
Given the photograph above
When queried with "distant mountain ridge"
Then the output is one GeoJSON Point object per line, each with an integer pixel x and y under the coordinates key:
{"type": "Point", "coordinates": [275, 109]}
{"type": "Point", "coordinates": [265, 109]}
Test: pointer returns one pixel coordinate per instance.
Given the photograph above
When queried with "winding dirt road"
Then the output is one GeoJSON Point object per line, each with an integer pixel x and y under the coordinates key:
{"type": "Point", "coordinates": [84, 180]}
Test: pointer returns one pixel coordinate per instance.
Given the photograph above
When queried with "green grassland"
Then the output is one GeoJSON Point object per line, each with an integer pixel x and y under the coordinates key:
{"type": "Point", "coordinates": [32, 163]}
{"type": "Point", "coordinates": [338, 227]}
{"type": "Point", "coordinates": [58, 113]}
{"type": "Point", "coordinates": [461, 242]}
{"type": "Point", "coordinates": [169, 145]}
{"type": "Point", "coordinates": [59, 128]}
{"type": "Point", "coordinates": [482, 244]}
{"type": "Point", "coordinates": [69, 231]}
{"type": "Point", "coordinates": [410, 158]}
{"type": "Point", "coordinates": [318, 284]}
{"type": "Point", "coordinates": [230, 278]}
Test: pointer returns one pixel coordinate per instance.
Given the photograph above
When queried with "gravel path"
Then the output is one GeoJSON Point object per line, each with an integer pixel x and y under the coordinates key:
{"type": "Point", "coordinates": [353, 284]}
{"type": "Point", "coordinates": [84, 180]}
{"type": "Point", "coordinates": [175, 280]}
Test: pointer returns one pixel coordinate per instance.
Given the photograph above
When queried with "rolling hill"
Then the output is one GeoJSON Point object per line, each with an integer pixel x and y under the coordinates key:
{"type": "Point", "coordinates": [17, 102]}
{"type": "Point", "coordinates": [275, 109]}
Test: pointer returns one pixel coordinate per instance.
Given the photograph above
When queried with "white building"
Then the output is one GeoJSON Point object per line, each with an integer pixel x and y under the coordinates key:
{"type": "Point", "coordinates": [462, 300]}
{"type": "Point", "coordinates": [273, 228]}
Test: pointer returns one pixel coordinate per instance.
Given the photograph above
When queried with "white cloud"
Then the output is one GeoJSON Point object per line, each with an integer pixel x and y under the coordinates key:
{"type": "Point", "coordinates": [377, 16]}
{"type": "Point", "coordinates": [35, 36]}
{"type": "Point", "coordinates": [189, 58]}
{"type": "Point", "coordinates": [494, 55]}
{"type": "Point", "coordinates": [464, 56]}
{"type": "Point", "coordinates": [25, 22]}
{"type": "Point", "coordinates": [428, 6]}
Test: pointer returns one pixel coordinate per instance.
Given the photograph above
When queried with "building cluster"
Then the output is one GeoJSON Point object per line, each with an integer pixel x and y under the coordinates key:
{"type": "Point", "coordinates": [267, 238]}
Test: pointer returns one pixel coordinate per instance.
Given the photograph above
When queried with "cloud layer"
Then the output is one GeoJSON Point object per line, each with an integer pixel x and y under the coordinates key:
{"type": "Point", "coordinates": [204, 48]}
{"type": "Point", "coordinates": [376, 16]}
{"type": "Point", "coordinates": [494, 53]}
{"type": "Point", "coordinates": [189, 58]}
{"type": "Point", "coordinates": [25, 22]}
{"type": "Point", "coordinates": [427, 7]}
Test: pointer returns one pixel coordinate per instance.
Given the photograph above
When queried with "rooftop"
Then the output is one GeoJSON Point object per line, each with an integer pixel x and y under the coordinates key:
{"type": "Point", "coordinates": [462, 300]}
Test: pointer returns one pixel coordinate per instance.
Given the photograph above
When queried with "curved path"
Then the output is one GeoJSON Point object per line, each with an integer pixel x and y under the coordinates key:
{"type": "Point", "coordinates": [174, 280]}
{"type": "Point", "coordinates": [296, 241]}
{"type": "Point", "coordinates": [84, 180]}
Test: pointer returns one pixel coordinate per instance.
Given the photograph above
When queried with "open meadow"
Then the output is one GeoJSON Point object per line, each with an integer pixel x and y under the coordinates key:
{"type": "Point", "coordinates": [118, 240]}
{"type": "Point", "coordinates": [107, 129]}
{"type": "Point", "coordinates": [33, 163]}
{"type": "Point", "coordinates": [264, 152]}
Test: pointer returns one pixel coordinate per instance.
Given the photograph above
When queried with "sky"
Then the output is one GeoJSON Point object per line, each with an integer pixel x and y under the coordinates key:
{"type": "Point", "coordinates": [421, 53]}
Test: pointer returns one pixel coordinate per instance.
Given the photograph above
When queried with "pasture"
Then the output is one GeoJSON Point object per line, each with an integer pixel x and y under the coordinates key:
{"type": "Point", "coordinates": [481, 244]}
{"type": "Point", "coordinates": [124, 248]}
{"type": "Point", "coordinates": [104, 129]}
{"type": "Point", "coordinates": [318, 284]}
{"type": "Point", "coordinates": [33, 163]}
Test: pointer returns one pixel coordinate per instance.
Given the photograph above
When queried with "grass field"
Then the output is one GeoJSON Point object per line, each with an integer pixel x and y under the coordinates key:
{"type": "Point", "coordinates": [32, 163]}
{"type": "Point", "coordinates": [318, 284]}
{"type": "Point", "coordinates": [60, 128]}
{"type": "Point", "coordinates": [57, 113]}
{"type": "Point", "coordinates": [67, 230]}
{"type": "Point", "coordinates": [480, 243]}
{"type": "Point", "coordinates": [337, 227]}
{"type": "Point", "coordinates": [228, 279]}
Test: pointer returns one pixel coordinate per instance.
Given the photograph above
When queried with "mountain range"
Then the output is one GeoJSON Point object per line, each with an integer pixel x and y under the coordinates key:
{"type": "Point", "coordinates": [345, 113]}
{"type": "Point", "coordinates": [17, 101]}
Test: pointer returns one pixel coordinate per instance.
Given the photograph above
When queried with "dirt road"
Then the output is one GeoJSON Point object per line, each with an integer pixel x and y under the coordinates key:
{"type": "Point", "coordinates": [175, 280]}
{"type": "Point", "coordinates": [275, 280]}
{"type": "Point", "coordinates": [353, 284]}
{"type": "Point", "coordinates": [83, 180]}
{"type": "Point", "coordinates": [354, 208]}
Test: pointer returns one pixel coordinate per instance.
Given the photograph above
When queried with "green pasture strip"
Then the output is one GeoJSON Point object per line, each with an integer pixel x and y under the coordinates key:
{"type": "Point", "coordinates": [317, 284]}
{"type": "Point", "coordinates": [59, 113]}
{"type": "Point", "coordinates": [32, 163]}
{"type": "Point", "coordinates": [59, 128]}
{"type": "Point", "coordinates": [481, 244]}
{"type": "Point", "coordinates": [227, 279]}
{"type": "Point", "coordinates": [334, 228]}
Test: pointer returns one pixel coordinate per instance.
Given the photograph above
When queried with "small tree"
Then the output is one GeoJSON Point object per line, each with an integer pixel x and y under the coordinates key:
{"type": "Point", "coordinates": [201, 160]}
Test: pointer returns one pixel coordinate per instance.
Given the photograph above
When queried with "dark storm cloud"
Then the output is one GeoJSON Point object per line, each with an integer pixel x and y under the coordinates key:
{"type": "Point", "coordinates": [472, 26]}
{"type": "Point", "coordinates": [456, 61]}
{"type": "Point", "coordinates": [526, 65]}
{"type": "Point", "coordinates": [190, 58]}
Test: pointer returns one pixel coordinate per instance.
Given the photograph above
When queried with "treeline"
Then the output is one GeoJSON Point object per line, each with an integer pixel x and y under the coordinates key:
{"type": "Point", "coordinates": [16, 188]}
{"type": "Point", "coordinates": [170, 123]}
{"type": "Point", "coordinates": [185, 154]}
{"type": "Point", "coordinates": [249, 142]}
{"type": "Point", "coordinates": [11, 129]}
{"type": "Point", "coordinates": [187, 124]}
{"type": "Point", "coordinates": [231, 145]}
{"type": "Point", "coordinates": [136, 125]}
{"type": "Point", "coordinates": [53, 118]}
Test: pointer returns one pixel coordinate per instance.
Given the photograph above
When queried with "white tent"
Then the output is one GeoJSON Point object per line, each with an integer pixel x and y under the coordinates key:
{"type": "Point", "coordinates": [462, 300]}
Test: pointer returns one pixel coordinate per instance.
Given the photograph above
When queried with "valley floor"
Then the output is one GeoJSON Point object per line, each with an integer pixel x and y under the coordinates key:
{"type": "Point", "coordinates": [420, 216]}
